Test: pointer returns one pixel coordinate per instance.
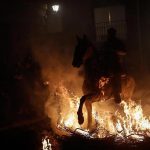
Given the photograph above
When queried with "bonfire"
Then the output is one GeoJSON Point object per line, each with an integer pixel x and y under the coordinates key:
{"type": "Point", "coordinates": [126, 124]}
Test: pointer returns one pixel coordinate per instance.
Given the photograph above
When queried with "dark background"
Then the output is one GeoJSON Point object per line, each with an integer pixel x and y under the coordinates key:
{"type": "Point", "coordinates": [22, 21]}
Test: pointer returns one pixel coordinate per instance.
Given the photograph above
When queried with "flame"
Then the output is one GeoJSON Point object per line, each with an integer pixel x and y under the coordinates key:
{"type": "Point", "coordinates": [69, 119]}
{"type": "Point", "coordinates": [46, 144]}
{"type": "Point", "coordinates": [130, 123]}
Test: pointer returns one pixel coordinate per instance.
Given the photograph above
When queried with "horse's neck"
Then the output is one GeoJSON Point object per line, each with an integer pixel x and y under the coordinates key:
{"type": "Point", "coordinates": [89, 53]}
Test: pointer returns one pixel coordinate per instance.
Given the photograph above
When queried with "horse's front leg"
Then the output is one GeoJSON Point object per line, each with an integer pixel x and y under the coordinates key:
{"type": "Point", "coordinates": [88, 105]}
{"type": "Point", "coordinates": [79, 113]}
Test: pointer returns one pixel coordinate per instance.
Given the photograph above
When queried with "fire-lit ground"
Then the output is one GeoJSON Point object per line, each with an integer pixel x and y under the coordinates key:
{"type": "Point", "coordinates": [30, 138]}
{"type": "Point", "coordinates": [79, 142]}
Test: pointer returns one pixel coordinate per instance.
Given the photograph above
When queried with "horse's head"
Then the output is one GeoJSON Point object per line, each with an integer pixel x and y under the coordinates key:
{"type": "Point", "coordinates": [83, 45]}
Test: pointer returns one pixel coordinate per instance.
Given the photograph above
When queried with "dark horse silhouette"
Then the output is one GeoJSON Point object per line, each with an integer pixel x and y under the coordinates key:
{"type": "Point", "coordinates": [97, 83]}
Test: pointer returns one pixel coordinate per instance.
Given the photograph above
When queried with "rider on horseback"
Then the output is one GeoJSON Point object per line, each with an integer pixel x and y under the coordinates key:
{"type": "Point", "coordinates": [102, 79]}
{"type": "Point", "coordinates": [113, 50]}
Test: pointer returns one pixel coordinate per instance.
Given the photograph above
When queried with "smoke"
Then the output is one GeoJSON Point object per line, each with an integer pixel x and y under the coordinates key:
{"type": "Point", "coordinates": [55, 57]}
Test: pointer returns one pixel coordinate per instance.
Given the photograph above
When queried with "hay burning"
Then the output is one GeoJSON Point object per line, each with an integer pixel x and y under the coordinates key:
{"type": "Point", "coordinates": [126, 123]}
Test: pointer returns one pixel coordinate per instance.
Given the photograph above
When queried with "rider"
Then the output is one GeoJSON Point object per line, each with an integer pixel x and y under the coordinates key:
{"type": "Point", "coordinates": [113, 50]}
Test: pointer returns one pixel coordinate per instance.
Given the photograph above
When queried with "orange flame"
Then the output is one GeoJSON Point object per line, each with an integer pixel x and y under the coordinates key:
{"type": "Point", "coordinates": [130, 123]}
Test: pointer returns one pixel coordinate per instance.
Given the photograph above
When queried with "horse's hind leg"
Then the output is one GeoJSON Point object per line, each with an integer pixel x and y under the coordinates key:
{"type": "Point", "coordinates": [116, 83]}
{"type": "Point", "coordinates": [128, 86]}
{"type": "Point", "coordinates": [79, 113]}
{"type": "Point", "coordinates": [88, 105]}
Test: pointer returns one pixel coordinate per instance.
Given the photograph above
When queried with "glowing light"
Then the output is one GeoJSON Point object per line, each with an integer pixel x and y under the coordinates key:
{"type": "Point", "coordinates": [55, 8]}
{"type": "Point", "coordinates": [46, 144]}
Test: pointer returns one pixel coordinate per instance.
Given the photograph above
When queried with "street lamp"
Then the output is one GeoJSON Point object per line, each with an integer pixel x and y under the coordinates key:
{"type": "Point", "coordinates": [55, 7]}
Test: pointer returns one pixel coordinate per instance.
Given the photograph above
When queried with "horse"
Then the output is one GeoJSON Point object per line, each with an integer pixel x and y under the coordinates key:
{"type": "Point", "coordinates": [97, 83]}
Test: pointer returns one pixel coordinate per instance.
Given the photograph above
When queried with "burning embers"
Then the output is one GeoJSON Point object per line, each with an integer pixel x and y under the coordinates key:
{"type": "Point", "coordinates": [46, 144]}
{"type": "Point", "coordinates": [126, 124]}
